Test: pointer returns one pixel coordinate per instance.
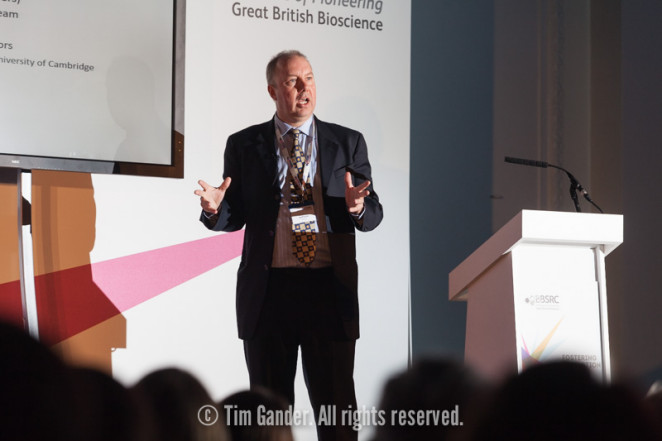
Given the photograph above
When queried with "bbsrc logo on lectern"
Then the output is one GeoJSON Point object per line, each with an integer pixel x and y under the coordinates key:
{"type": "Point", "coordinates": [543, 301]}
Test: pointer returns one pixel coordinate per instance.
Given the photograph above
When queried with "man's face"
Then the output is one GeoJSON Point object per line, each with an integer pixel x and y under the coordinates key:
{"type": "Point", "coordinates": [293, 90]}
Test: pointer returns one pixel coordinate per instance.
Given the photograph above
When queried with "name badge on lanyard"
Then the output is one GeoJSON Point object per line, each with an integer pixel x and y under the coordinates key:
{"type": "Point", "coordinates": [303, 215]}
{"type": "Point", "coordinates": [304, 219]}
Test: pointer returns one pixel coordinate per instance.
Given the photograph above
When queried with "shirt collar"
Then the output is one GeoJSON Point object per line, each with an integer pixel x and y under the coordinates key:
{"type": "Point", "coordinates": [285, 127]}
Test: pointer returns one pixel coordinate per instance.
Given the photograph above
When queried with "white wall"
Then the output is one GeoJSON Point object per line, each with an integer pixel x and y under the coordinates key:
{"type": "Point", "coordinates": [362, 82]}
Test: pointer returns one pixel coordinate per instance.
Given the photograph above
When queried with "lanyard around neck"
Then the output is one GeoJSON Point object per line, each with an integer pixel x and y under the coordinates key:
{"type": "Point", "coordinates": [284, 152]}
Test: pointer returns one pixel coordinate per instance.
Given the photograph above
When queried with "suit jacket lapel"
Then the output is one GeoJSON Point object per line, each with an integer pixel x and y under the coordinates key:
{"type": "Point", "coordinates": [328, 151]}
{"type": "Point", "coordinates": [265, 142]}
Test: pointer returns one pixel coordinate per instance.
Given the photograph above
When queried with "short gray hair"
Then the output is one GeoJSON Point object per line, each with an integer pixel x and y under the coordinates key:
{"type": "Point", "coordinates": [281, 56]}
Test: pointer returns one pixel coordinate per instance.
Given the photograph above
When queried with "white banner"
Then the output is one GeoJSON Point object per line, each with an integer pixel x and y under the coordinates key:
{"type": "Point", "coordinates": [558, 311]}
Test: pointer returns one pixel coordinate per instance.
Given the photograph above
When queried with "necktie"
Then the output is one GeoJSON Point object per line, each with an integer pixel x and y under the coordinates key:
{"type": "Point", "coordinates": [303, 236]}
{"type": "Point", "coordinates": [298, 156]}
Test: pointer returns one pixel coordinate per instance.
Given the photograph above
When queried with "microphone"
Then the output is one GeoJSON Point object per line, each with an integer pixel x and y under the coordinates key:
{"type": "Point", "coordinates": [526, 162]}
{"type": "Point", "coordinates": [574, 183]}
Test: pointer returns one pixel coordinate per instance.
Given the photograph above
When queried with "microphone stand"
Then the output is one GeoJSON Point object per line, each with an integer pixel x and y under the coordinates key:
{"type": "Point", "coordinates": [574, 183]}
{"type": "Point", "coordinates": [574, 186]}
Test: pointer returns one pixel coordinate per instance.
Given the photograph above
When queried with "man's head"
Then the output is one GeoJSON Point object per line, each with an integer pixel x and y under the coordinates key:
{"type": "Point", "coordinates": [291, 84]}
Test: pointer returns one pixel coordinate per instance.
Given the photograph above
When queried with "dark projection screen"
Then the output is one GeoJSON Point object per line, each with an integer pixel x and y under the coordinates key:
{"type": "Point", "coordinates": [92, 86]}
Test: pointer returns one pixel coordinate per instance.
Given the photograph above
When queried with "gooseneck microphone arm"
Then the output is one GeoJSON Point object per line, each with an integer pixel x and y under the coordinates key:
{"type": "Point", "coordinates": [574, 186]}
{"type": "Point", "coordinates": [574, 183]}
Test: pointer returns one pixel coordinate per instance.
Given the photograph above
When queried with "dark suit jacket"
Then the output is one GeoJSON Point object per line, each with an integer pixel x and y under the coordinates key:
{"type": "Point", "coordinates": [253, 200]}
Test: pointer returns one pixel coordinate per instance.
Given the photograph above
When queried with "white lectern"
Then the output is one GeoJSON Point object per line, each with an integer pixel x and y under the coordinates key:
{"type": "Point", "coordinates": [536, 291]}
